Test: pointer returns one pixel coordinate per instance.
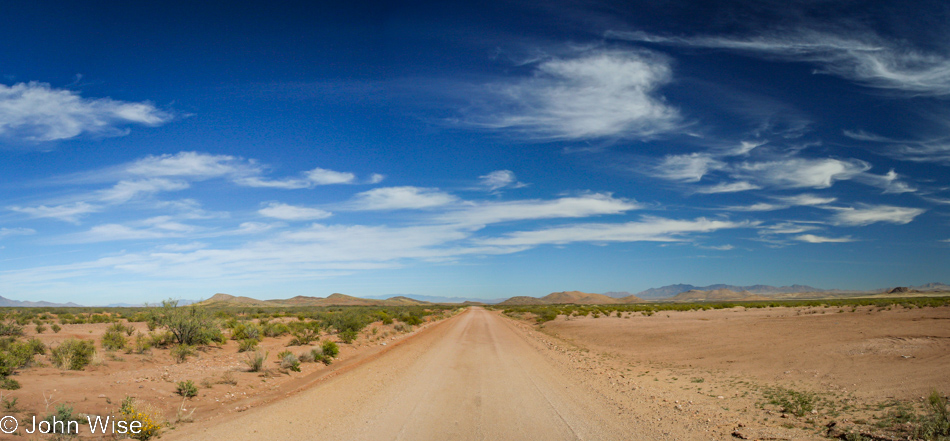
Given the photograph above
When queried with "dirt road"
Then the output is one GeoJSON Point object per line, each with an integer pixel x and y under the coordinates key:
{"type": "Point", "coordinates": [473, 377]}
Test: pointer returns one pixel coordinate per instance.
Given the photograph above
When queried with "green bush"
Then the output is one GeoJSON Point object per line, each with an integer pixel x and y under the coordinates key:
{"type": "Point", "coordinates": [187, 389]}
{"type": "Point", "coordinates": [181, 352]}
{"type": "Point", "coordinates": [348, 336]}
{"type": "Point", "coordinates": [248, 344]}
{"type": "Point", "coordinates": [56, 328]}
{"type": "Point", "coordinates": [73, 354]}
{"type": "Point", "coordinates": [10, 328]}
{"type": "Point", "coordinates": [63, 413]}
{"type": "Point", "coordinates": [936, 425]}
{"type": "Point", "coordinates": [329, 349]}
{"type": "Point", "coordinates": [40, 328]}
{"type": "Point", "coordinates": [113, 340]}
{"type": "Point", "coordinates": [9, 383]}
{"type": "Point", "coordinates": [191, 325]}
{"type": "Point", "coordinates": [290, 361]}
{"type": "Point", "coordinates": [255, 361]}
{"type": "Point", "coordinates": [303, 337]}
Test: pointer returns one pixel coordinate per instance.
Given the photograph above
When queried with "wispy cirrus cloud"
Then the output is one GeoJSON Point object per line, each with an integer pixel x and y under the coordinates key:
{"type": "Point", "coordinates": [281, 211]}
{"type": "Point", "coordinates": [5, 232]}
{"type": "Point", "coordinates": [500, 179]}
{"type": "Point", "coordinates": [70, 212]}
{"type": "Point", "coordinates": [855, 54]}
{"type": "Point", "coordinates": [935, 149]}
{"type": "Point", "coordinates": [401, 198]}
{"type": "Point", "coordinates": [595, 94]}
{"type": "Point", "coordinates": [868, 214]}
{"type": "Point", "coordinates": [811, 238]}
{"type": "Point", "coordinates": [652, 229]}
{"type": "Point", "coordinates": [587, 205]}
{"type": "Point", "coordinates": [37, 112]}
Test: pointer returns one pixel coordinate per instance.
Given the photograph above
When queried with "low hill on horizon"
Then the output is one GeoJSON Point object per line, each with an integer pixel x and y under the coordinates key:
{"type": "Point", "coordinates": [335, 299]}
{"type": "Point", "coordinates": [716, 295]}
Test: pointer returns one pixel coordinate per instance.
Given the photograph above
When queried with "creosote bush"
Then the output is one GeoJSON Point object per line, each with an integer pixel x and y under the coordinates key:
{"type": "Point", "coordinates": [255, 361]}
{"type": "Point", "coordinates": [187, 389]}
{"type": "Point", "coordinates": [73, 354]}
{"type": "Point", "coordinates": [181, 352]}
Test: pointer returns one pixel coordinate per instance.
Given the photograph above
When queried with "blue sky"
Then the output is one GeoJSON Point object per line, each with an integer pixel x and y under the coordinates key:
{"type": "Point", "coordinates": [275, 149]}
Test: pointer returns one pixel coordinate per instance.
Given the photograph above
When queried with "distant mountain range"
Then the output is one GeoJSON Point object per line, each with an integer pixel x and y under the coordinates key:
{"type": "Point", "coordinates": [27, 304]}
{"type": "Point", "coordinates": [669, 291]}
{"type": "Point", "coordinates": [675, 293]}
{"type": "Point", "coordinates": [438, 299]}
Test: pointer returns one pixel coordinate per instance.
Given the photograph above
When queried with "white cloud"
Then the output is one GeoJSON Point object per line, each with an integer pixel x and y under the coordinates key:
{"type": "Point", "coordinates": [244, 172]}
{"type": "Point", "coordinates": [857, 55]}
{"type": "Point", "coordinates": [115, 232]}
{"type": "Point", "coordinates": [64, 212]}
{"type": "Point", "coordinates": [597, 94]}
{"type": "Point", "coordinates": [801, 172]}
{"type": "Point", "coordinates": [566, 207]}
{"type": "Point", "coordinates": [320, 176]}
{"type": "Point", "coordinates": [889, 182]}
{"type": "Point", "coordinates": [786, 202]}
{"type": "Point", "coordinates": [728, 187]}
{"type": "Point", "coordinates": [292, 213]}
{"type": "Point", "coordinates": [687, 168]}
{"type": "Point", "coordinates": [869, 214]}
{"type": "Point", "coordinates": [37, 112]}
{"type": "Point", "coordinates": [653, 229]}
{"type": "Point", "coordinates": [4, 232]}
{"type": "Point", "coordinates": [788, 228]}
{"type": "Point", "coordinates": [124, 191]}
{"type": "Point", "coordinates": [935, 150]}
{"type": "Point", "coordinates": [399, 198]}
{"type": "Point", "coordinates": [805, 199]}
{"type": "Point", "coordinates": [761, 206]}
{"type": "Point", "coordinates": [194, 165]}
{"type": "Point", "coordinates": [811, 238]}
{"type": "Point", "coordinates": [499, 179]}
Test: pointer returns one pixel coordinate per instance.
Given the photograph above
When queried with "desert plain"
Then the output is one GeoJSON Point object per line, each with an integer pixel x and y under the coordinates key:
{"type": "Point", "coordinates": [493, 372]}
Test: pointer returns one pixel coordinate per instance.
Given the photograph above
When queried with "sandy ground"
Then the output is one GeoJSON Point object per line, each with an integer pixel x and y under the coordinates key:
{"type": "Point", "coordinates": [875, 354]}
{"type": "Point", "coordinates": [477, 376]}
{"type": "Point", "coordinates": [152, 377]}
{"type": "Point", "coordinates": [694, 375]}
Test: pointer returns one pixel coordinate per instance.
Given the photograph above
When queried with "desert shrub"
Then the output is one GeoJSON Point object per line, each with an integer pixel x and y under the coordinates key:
{"type": "Point", "coordinates": [9, 383]}
{"type": "Point", "coordinates": [67, 415]}
{"type": "Point", "coordinates": [303, 337]}
{"type": "Point", "coordinates": [255, 361]}
{"type": "Point", "coordinates": [18, 354]}
{"type": "Point", "coordinates": [73, 354]}
{"type": "Point", "coordinates": [190, 325]}
{"type": "Point", "coordinates": [546, 316]}
{"type": "Point", "coordinates": [228, 378]}
{"type": "Point", "coordinates": [329, 349]}
{"type": "Point", "coordinates": [306, 357]}
{"type": "Point", "coordinates": [56, 328]}
{"type": "Point", "coordinates": [290, 361]}
{"type": "Point", "coordinates": [248, 344]}
{"type": "Point", "coordinates": [149, 418]}
{"type": "Point", "coordinates": [40, 328]}
{"type": "Point", "coordinates": [181, 352]}
{"type": "Point", "coordinates": [348, 336]}
{"type": "Point", "coordinates": [275, 329]}
{"type": "Point", "coordinates": [142, 344]}
{"type": "Point", "coordinates": [792, 401]}
{"type": "Point", "coordinates": [247, 331]}
{"type": "Point", "coordinates": [936, 425]}
{"type": "Point", "coordinates": [187, 389]}
{"type": "Point", "coordinates": [113, 339]}
{"type": "Point", "coordinates": [161, 339]}
{"type": "Point", "coordinates": [10, 328]}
